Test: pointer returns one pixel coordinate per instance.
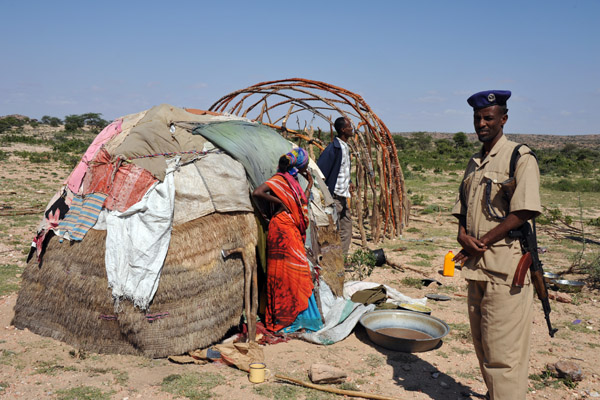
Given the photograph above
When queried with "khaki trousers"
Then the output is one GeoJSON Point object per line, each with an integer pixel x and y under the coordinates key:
{"type": "Point", "coordinates": [344, 222]}
{"type": "Point", "coordinates": [501, 318]}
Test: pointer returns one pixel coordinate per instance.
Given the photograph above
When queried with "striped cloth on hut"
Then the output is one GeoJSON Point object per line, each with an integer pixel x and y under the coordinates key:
{"type": "Point", "coordinates": [81, 216]}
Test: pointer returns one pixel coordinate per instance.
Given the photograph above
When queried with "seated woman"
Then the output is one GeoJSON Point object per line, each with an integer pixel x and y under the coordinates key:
{"type": "Point", "coordinates": [290, 300]}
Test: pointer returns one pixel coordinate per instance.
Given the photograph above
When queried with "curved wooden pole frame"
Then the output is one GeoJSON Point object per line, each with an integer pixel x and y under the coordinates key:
{"type": "Point", "coordinates": [372, 144]}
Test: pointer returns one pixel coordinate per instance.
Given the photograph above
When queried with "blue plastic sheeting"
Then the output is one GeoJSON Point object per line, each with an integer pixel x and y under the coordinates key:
{"type": "Point", "coordinates": [309, 319]}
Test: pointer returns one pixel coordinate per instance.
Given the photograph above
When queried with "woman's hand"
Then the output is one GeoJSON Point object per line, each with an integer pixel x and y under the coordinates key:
{"type": "Point", "coordinates": [309, 178]}
{"type": "Point", "coordinates": [306, 174]}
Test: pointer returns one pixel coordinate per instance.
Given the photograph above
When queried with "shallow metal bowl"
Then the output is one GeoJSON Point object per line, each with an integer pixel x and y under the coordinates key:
{"type": "Point", "coordinates": [569, 286]}
{"type": "Point", "coordinates": [375, 321]}
{"type": "Point", "coordinates": [550, 277]}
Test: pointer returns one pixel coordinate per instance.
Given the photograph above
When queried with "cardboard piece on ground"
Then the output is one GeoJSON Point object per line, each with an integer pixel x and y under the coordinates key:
{"type": "Point", "coordinates": [186, 359]}
{"type": "Point", "coordinates": [241, 354]}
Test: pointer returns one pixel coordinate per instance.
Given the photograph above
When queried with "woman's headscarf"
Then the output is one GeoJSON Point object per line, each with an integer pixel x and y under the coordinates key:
{"type": "Point", "coordinates": [298, 160]}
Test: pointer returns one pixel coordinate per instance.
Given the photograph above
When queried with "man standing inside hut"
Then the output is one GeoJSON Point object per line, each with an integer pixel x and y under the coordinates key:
{"type": "Point", "coordinates": [500, 314]}
{"type": "Point", "coordinates": [334, 162]}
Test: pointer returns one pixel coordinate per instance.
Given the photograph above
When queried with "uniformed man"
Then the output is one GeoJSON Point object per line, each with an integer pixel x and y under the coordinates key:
{"type": "Point", "coordinates": [500, 314]}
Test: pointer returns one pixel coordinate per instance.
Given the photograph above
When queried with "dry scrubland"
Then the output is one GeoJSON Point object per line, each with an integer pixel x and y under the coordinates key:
{"type": "Point", "coordinates": [35, 367]}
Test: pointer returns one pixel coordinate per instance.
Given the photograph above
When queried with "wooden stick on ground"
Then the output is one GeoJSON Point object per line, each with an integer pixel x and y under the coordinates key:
{"type": "Point", "coordinates": [352, 393]}
{"type": "Point", "coordinates": [403, 267]}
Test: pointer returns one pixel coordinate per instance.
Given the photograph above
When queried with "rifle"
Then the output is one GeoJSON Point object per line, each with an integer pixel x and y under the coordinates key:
{"type": "Point", "coordinates": [531, 261]}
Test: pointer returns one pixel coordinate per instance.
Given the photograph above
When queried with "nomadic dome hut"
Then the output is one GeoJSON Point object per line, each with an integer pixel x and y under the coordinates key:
{"type": "Point", "coordinates": [144, 250]}
{"type": "Point", "coordinates": [152, 244]}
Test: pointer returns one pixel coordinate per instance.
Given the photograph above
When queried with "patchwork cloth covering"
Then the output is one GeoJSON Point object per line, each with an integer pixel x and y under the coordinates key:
{"type": "Point", "coordinates": [123, 177]}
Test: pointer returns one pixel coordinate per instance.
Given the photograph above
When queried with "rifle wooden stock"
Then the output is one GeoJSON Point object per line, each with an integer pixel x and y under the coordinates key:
{"type": "Point", "coordinates": [531, 261]}
{"type": "Point", "coordinates": [524, 264]}
{"type": "Point", "coordinates": [537, 278]}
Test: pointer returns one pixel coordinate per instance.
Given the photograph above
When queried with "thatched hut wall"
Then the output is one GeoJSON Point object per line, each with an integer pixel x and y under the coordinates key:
{"type": "Point", "coordinates": [199, 297]}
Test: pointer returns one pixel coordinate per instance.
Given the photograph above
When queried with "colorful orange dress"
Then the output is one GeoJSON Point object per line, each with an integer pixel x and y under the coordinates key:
{"type": "Point", "coordinates": [289, 281]}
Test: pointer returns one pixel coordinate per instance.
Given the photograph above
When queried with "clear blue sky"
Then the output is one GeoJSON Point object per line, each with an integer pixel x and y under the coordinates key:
{"type": "Point", "coordinates": [414, 62]}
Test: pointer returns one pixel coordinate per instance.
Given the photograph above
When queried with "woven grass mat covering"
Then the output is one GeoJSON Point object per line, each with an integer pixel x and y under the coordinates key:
{"type": "Point", "coordinates": [199, 297]}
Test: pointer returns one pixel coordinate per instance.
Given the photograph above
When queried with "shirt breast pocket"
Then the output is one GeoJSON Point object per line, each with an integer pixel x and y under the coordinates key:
{"type": "Point", "coordinates": [498, 190]}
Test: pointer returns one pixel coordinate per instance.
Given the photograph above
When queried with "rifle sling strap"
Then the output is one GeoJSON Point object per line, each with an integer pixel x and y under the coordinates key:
{"type": "Point", "coordinates": [511, 173]}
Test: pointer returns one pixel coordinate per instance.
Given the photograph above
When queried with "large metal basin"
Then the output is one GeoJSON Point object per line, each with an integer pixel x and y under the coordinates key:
{"type": "Point", "coordinates": [550, 277]}
{"type": "Point", "coordinates": [432, 329]}
{"type": "Point", "coordinates": [566, 285]}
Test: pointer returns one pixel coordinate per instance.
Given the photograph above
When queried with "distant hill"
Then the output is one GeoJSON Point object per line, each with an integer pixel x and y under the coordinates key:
{"type": "Point", "coordinates": [534, 141]}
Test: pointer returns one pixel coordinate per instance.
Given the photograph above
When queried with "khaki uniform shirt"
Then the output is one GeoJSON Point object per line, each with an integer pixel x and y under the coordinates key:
{"type": "Point", "coordinates": [498, 263]}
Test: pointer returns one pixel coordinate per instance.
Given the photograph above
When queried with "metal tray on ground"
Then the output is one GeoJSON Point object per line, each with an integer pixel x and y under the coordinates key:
{"type": "Point", "coordinates": [566, 285]}
{"type": "Point", "coordinates": [431, 329]}
{"type": "Point", "coordinates": [550, 277]}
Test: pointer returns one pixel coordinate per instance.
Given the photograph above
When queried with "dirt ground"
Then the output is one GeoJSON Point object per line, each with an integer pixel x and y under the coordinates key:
{"type": "Point", "coordinates": [35, 367]}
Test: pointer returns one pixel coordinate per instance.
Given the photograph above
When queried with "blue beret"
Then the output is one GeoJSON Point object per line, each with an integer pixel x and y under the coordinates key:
{"type": "Point", "coordinates": [488, 98]}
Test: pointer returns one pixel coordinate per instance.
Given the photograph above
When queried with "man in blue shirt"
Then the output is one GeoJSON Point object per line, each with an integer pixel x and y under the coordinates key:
{"type": "Point", "coordinates": [334, 162]}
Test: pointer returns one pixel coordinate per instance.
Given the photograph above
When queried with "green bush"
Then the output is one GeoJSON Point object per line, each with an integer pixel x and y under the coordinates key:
{"type": "Point", "coordinates": [7, 123]}
{"type": "Point", "coordinates": [52, 121]}
{"type": "Point", "coordinates": [422, 140]}
{"type": "Point", "coordinates": [192, 386]}
{"type": "Point", "coordinates": [461, 141]}
{"type": "Point", "coordinates": [592, 268]}
{"type": "Point", "coordinates": [361, 263]}
{"type": "Point", "coordinates": [594, 222]}
{"type": "Point", "coordinates": [76, 122]}
{"type": "Point", "coordinates": [542, 219]}
{"type": "Point", "coordinates": [570, 159]}
{"type": "Point", "coordinates": [552, 215]}
{"type": "Point", "coordinates": [412, 282]}
{"type": "Point", "coordinates": [432, 208]}
{"type": "Point", "coordinates": [417, 199]}
{"type": "Point", "coordinates": [575, 185]}
{"type": "Point", "coordinates": [420, 154]}
{"type": "Point", "coordinates": [67, 159]}
{"type": "Point", "coordinates": [21, 139]}
{"type": "Point", "coordinates": [83, 393]}
{"type": "Point", "coordinates": [401, 142]}
{"type": "Point", "coordinates": [35, 157]}
{"type": "Point", "coordinates": [72, 146]}
{"type": "Point", "coordinates": [444, 146]}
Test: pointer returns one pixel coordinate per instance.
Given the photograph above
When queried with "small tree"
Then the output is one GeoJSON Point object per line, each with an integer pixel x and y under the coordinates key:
{"type": "Point", "coordinates": [52, 121]}
{"type": "Point", "coordinates": [400, 142]}
{"type": "Point", "coordinates": [94, 121]}
{"type": "Point", "coordinates": [444, 146]}
{"type": "Point", "coordinates": [460, 140]}
{"type": "Point", "coordinates": [6, 123]}
{"type": "Point", "coordinates": [74, 122]}
{"type": "Point", "coordinates": [422, 140]}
